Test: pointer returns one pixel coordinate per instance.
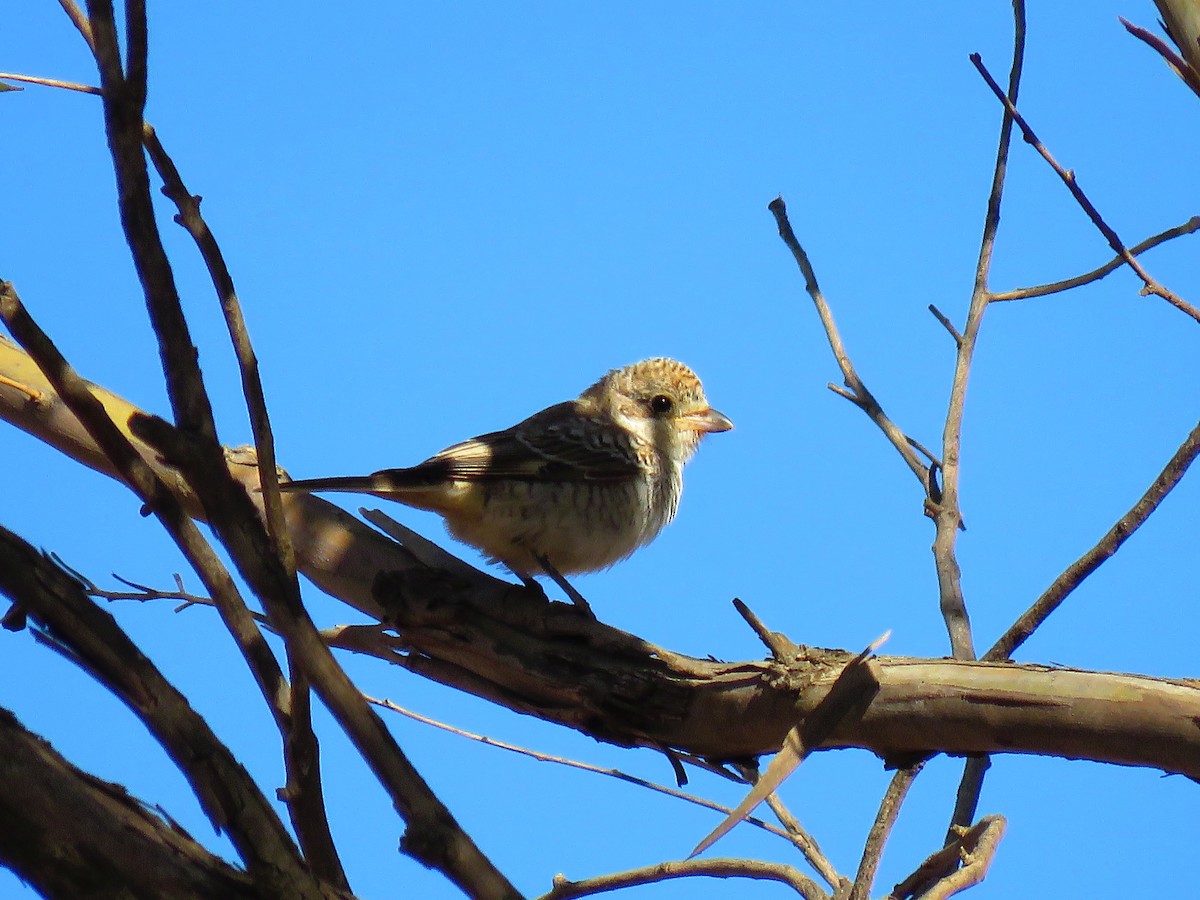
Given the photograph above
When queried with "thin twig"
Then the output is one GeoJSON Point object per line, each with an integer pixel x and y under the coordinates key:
{"type": "Point", "coordinates": [1042, 290]}
{"type": "Point", "coordinates": [858, 393]}
{"type": "Point", "coordinates": [782, 649]}
{"type": "Point", "coordinates": [947, 324]}
{"type": "Point", "coordinates": [433, 836]}
{"type": "Point", "coordinates": [712, 868]}
{"type": "Point", "coordinates": [806, 843]}
{"type": "Point", "coordinates": [881, 828]}
{"type": "Point", "coordinates": [1120, 532]}
{"type": "Point", "coordinates": [796, 839]}
{"type": "Point", "coordinates": [264, 444]}
{"type": "Point", "coordinates": [51, 82]}
{"type": "Point", "coordinates": [1150, 285]}
{"type": "Point", "coordinates": [201, 457]}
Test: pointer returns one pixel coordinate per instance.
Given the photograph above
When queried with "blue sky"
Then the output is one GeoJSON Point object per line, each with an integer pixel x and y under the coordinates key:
{"type": "Point", "coordinates": [442, 217]}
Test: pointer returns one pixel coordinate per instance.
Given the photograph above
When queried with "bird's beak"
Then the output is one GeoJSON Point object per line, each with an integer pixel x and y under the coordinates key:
{"type": "Point", "coordinates": [707, 422]}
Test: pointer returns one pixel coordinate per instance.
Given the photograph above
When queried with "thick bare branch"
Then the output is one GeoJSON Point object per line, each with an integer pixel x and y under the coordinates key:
{"type": "Point", "coordinates": [91, 637]}
{"type": "Point", "coordinates": [78, 819]}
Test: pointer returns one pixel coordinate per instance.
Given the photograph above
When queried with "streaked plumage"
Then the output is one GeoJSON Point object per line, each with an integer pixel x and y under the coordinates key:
{"type": "Point", "coordinates": [582, 483]}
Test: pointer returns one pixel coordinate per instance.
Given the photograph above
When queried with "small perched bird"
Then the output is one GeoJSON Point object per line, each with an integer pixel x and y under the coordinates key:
{"type": "Point", "coordinates": [573, 488]}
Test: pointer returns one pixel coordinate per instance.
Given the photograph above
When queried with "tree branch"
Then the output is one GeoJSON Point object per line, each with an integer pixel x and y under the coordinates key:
{"type": "Point", "coordinates": [1150, 285]}
{"type": "Point", "coordinates": [96, 643]}
{"type": "Point", "coordinates": [59, 822]}
{"type": "Point", "coordinates": [1079, 570]}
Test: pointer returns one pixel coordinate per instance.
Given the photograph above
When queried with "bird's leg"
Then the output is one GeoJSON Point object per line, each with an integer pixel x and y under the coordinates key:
{"type": "Point", "coordinates": [532, 584]}
{"type": "Point", "coordinates": [558, 578]}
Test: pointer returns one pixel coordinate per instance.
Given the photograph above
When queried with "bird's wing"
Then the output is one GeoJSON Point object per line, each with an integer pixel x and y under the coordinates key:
{"type": "Point", "coordinates": [553, 445]}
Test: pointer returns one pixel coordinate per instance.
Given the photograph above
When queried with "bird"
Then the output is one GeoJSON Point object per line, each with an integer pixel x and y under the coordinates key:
{"type": "Point", "coordinates": [574, 488]}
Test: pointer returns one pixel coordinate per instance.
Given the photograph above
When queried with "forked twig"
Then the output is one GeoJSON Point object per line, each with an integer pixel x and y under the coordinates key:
{"type": "Point", "coordinates": [1190, 226]}
{"type": "Point", "coordinates": [1150, 284]}
{"type": "Point", "coordinates": [856, 391]}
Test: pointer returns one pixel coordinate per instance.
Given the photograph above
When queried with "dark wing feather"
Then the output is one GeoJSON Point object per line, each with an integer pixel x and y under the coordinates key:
{"type": "Point", "coordinates": [552, 445]}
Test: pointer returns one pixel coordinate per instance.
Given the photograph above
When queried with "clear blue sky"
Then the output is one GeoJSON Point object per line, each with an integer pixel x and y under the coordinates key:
{"type": "Point", "coordinates": [442, 217]}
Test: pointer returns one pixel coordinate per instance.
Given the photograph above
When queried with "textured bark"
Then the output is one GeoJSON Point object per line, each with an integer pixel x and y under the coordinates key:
{"type": "Point", "coordinates": [497, 640]}
{"type": "Point", "coordinates": [73, 836]}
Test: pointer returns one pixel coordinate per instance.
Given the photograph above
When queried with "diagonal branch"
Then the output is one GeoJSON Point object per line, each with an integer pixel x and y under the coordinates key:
{"type": "Point", "coordinates": [857, 392]}
{"type": "Point", "coordinates": [1150, 285]}
{"type": "Point", "coordinates": [97, 644]}
{"type": "Point", "coordinates": [1079, 570]}
{"type": "Point", "coordinates": [881, 829]}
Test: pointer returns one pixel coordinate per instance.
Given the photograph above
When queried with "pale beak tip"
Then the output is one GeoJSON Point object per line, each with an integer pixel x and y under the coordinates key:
{"type": "Point", "coordinates": [713, 422]}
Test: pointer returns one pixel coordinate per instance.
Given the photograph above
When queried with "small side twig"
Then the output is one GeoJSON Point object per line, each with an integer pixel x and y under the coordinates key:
{"type": "Point", "coordinates": [947, 324]}
{"type": "Point", "coordinates": [51, 82]}
{"type": "Point", "coordinates": [1190, 226]}
{"type": "Point", "coordinates": [858, 394]}
{"type": "Point", "coordinates": [782, 649]}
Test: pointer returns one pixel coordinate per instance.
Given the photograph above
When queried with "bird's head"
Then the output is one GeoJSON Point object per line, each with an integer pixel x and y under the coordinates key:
{"type": "Point", "coordinates": [662, 402]}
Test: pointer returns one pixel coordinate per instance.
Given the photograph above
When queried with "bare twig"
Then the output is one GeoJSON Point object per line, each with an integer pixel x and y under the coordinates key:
{"type": "Point", "coordinates": [782, 649]}
{"type": "Point", "coordinates": [1042, 290]}
{"type": "Point", "coordinates": [1075, 573]}
{"type": "Point", "coordinates": [51, 82]}
{"type": "Point", "coordinates": [264, 444]}
{"type": "Point", "coordinates": [304, 791]}
{"type": "Point", "coordinates": [947, 324]}
{"type": "Point", "coordinates": [858, 394]}
{"type": "Point", "coordinates": [806, 843]}
{"type": "Point", "coordinates": [881, 828]}
{"type": "Point", "coordinates": [1150, 285]}
{"type": "Point", "coordinates": [795, 839]}
{"type": "Point", "coordinates": [711, 868]}
{"type": "Point", "coordinates": [34, 395]}
{"type": "Point", "coordinates": [201, 457]}
{"type": "Point", "coordinates": [433, 835]}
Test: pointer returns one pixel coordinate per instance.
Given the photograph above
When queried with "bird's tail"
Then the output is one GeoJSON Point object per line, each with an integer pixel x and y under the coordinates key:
{"type": "Point", "coordinates": [358, 484]}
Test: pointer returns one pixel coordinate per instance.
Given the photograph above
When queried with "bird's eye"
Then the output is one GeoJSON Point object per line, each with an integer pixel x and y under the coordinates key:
{"type": "Point", "coordinates": [661, 404]}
